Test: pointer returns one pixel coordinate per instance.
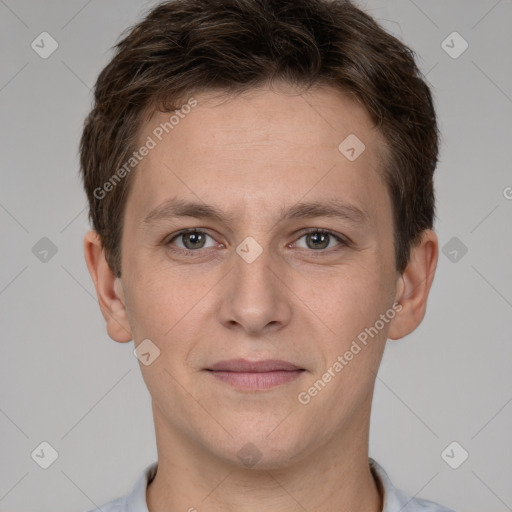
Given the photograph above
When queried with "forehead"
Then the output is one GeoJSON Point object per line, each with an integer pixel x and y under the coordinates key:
{"type": "Point", "coordinates": [261, 148]}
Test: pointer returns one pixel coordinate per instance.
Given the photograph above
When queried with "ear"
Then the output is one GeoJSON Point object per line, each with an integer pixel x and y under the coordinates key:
{"type": "Point", "coordinates": [108, 289]}
{"type": "Point", "coordinates": [414, 285]}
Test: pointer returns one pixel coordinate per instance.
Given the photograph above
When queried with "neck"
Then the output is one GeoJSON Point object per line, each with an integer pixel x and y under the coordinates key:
{"type": "Point", "coordinates": [333, 476]}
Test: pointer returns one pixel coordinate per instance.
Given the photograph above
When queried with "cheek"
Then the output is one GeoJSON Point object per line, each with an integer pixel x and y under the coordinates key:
{"type": "Point", "coordinates": [352, 347]}
{"type": "Point", "coordinates": [154, 303]}
{"type": "Point", "coordinates": [166, 304]}
{"type": "Point", "coordinates": [347, 300]}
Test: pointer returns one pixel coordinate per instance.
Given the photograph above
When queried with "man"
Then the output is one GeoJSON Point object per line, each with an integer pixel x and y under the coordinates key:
{"type": "Point", "coordinates": [260, 182]}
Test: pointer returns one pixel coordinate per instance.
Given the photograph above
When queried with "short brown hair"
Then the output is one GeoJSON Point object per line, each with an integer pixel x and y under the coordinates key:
{"type": "Point", "coordinates": [187, 46]}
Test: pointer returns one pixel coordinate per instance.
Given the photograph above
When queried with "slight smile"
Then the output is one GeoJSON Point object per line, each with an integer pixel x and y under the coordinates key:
{"type": "Point", "coordinates": [255, 375]}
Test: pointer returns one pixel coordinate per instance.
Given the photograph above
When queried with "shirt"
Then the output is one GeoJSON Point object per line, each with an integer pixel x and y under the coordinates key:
{"type": "Point", "coordinates": [394, 500]}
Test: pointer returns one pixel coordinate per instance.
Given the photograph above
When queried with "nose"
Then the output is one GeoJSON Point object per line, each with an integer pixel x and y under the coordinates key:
{"type": "Point", "coordinates": [255, 300]}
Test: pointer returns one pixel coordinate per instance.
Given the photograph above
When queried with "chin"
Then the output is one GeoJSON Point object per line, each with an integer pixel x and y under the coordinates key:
{"type": "Point", "coordinates": [259, 451]}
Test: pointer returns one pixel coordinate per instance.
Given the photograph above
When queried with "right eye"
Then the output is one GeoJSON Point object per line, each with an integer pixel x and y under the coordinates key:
{"type": "Point", "coordinates": [191, 240]}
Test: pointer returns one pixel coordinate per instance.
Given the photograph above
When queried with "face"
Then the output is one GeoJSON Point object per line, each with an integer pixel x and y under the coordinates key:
{"type": "Point", "coordinates": [255, 252]}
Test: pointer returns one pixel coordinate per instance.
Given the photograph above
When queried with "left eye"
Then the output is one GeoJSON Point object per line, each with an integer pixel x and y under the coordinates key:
{"type": "Point", "coordinates": [191, 240]}
{"type": "Point", "coordinates": [318, 240]}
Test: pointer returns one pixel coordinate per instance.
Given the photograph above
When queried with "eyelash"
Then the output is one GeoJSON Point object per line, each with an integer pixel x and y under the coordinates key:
{"type": "Point", "coordinates": [343, 242]}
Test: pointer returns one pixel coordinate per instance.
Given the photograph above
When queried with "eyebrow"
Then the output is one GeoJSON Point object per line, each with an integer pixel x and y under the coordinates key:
{"type": "Point", "coordinates": [175, 208]}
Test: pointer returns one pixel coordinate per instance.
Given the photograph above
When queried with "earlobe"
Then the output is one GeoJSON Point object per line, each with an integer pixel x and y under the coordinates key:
{"type": "Point", "coordinates": [108, 289]}
{"type": "Point", "coordinates": [414, 286]}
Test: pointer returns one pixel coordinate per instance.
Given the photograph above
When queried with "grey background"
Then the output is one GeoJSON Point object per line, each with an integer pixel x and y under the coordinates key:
{"type": "Point", "coordinates": [62, 380]}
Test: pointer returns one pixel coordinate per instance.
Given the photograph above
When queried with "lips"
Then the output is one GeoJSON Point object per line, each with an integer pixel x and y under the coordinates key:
{"type": "Point", "coordinates": [255, 375]}
{"type": "Point", "coordinates": [242, 365]}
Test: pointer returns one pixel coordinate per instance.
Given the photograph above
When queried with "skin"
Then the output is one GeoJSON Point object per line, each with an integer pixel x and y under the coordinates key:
{"type": "Point", "coordinates": [254, 156]}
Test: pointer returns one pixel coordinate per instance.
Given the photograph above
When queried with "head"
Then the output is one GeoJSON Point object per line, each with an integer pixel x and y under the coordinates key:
{"type": "Point", "coordinates": [295, 141]}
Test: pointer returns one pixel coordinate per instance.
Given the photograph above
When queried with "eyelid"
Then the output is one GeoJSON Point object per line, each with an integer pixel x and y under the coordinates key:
{"type": "Point", "coordinates": [174, 236]}
{"type": "Point", "coordinates": [341, 239]}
